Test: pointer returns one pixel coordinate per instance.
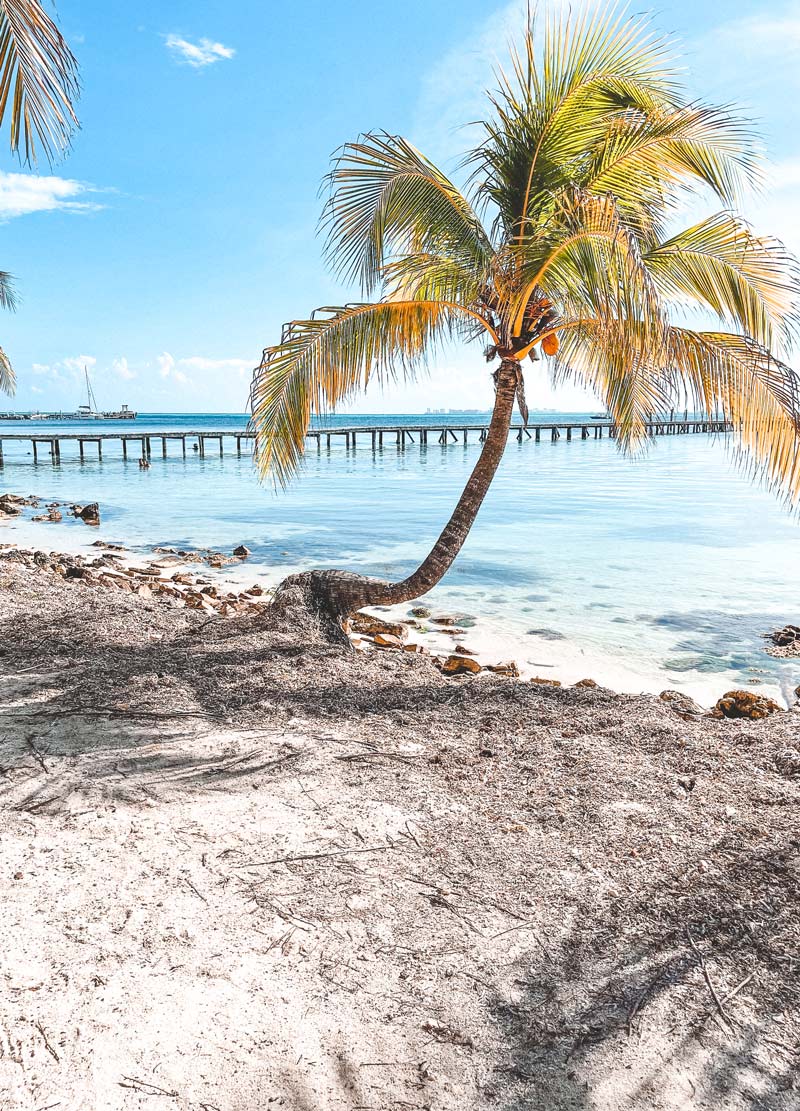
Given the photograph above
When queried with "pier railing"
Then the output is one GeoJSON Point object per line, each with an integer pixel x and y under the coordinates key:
{"type": "Point", "coordinates": [380, 436]}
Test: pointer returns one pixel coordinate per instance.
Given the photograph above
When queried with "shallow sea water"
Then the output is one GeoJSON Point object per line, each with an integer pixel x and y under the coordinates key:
{"type": "Point", "coordinates": [657, 572]}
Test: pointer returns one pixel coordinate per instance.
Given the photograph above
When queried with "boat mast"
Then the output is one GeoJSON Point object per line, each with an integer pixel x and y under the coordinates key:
{"type": "Point", "coordinates": [90, 392]}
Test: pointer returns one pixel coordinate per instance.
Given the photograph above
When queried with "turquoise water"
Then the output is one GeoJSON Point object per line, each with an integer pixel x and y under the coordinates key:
{"type": "Point", "coordinates": [657, 572]}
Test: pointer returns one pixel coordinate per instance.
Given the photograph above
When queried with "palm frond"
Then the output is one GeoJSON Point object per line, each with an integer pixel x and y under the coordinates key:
{"type": "Point", "coordinates": [426, 277]}
{"type": "Point", "coordinates": [7, 377]}
{"type": "Point", "coordinates": [618, 362]}
{"type": "Point", "coordinates": [757, 393]}
{"type": "Point", "coordinates": [324, 361]}
{"type": "Point", "coordinates": [8, 295]}
{"type": "Point", "coordinates": [750, 282]}
{"type": "Point", "coordinates": [387, 199]}
{"type": "Point", "coordinates": [685, 146]}
{"type": "Point", "coordinates": [38, 80]}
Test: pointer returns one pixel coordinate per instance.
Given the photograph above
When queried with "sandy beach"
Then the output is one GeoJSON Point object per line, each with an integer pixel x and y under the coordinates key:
{"type": "Point", "coordinates": [243, 868]}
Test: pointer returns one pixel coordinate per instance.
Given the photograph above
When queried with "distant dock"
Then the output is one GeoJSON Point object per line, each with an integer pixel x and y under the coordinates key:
{"type": "Point", "coordinates": [379, 436]}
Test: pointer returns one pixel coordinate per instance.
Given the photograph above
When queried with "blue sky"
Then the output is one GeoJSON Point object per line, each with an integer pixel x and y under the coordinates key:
{"type": "Point", "coordinates": [168, 247]}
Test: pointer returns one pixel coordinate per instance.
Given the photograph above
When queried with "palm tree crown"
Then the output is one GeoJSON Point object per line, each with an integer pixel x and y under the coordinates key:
{"type": "Point", "coordinates": [563, 241]}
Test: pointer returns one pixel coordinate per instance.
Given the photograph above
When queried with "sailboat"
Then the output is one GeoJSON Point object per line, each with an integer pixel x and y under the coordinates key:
{"type": "Point", "coordinates": [89, 411]}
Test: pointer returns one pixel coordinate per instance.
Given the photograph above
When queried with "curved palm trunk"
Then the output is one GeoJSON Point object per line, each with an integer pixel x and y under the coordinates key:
{"type": "Point", "coordinates": [335, 594]}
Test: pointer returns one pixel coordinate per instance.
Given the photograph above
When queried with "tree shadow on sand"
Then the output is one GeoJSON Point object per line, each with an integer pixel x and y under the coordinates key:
{"type": "Point", "coordinates": [619, 1013]}
{"type": "Point", "coordinates": [685, 995]}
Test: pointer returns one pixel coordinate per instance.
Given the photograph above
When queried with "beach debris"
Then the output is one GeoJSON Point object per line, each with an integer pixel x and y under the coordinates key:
{"type": "Point", "coordinates": [373, 626]}
{"type": "Point", "coordinates": [785, 642]}
{"type": "Point", "coordinates": [744, 704]}
{"type": "Point", "coordinates": [684, 706]}
{"type": "Point", "coordinates": [546, 682]}
{"type": "Point", "coordinates": [458, 665]}
{"type": "Point", "coordinates": [788, 761]}
{"type": "Point", "coordinates": [242, 551]}
{"type": "Point", "coordinates": [509, 668]}
{"type": "Point", "coordinates": [587, 683]}
{"type": "Point", "coordinates": [181, 589]}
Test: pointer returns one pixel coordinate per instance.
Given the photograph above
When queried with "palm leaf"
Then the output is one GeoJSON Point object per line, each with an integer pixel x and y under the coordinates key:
{"type": "Point", "coordinates": [324, 361]}
{"type": "Point", "coordinates": [618, 362]}
{"type": "Point", "coordinates": [8, 296]}
{"type": "Point", "coordinates": [554, 104]}
{"type": "Point", "coordinates": [756, 392]}
{"type": "Point", "coordinates": [8, 300]}
{"type": "Point", "coordinates": [38, 79]}
{"type": "Point", "coordinates": [748, 281]}
{"type": "Point", "coordinates": [387, 199]}
{"type": "Point", "coordinates": [7, 377]}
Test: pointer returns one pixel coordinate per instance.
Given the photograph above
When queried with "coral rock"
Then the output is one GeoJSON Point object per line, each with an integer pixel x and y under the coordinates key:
{"type": "Point", "coordinates": [682, 704]}
{"type": "Point", "coordinates": [89, 513]}
{"type": "Point", "coordinates": [509, 669]}
{"type": "Point", "coordinates": [373, 626]}
{"type": "Point", "coordinates": [459, 665]}
{"type": "Point", "coordinates": [744, 704]}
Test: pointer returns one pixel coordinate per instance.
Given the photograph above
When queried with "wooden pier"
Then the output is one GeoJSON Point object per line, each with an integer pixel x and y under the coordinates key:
{"type": "Point", "coordinates": [379, 436]}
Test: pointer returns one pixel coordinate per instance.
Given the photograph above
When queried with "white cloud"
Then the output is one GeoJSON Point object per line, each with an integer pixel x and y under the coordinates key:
{"type": "Point", "coordinates": [166, 364]}
{"type": "Point", "coordinates": [21, 194]}
{"type": "Point", "coordinates": [198, 54]}
{"type": "Point", "coordinates": [167, 368]}
{"type": "Point", "coordinates": [69, 369]}
{"type": "Point", "coordinates": [764, 31]}
{"type": "Point", "coordinates": [79, 363]}
{"type": "Point", "coordinates": [122, 370]}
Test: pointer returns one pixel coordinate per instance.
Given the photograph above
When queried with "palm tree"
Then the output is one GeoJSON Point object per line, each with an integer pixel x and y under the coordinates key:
{"type": "Point", "coordinates": [562, 243]}
{"type": "Point", "coordinates": [38, 86]}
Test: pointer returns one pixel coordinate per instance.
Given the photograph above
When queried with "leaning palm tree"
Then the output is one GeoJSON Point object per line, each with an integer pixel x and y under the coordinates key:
{"type": "Point", "coordinates": [38, 86]}
{"type": "Point", "coordinates": [562, 244]}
